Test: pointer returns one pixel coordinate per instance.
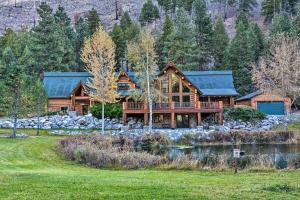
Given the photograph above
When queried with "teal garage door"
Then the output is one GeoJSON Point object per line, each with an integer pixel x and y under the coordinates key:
{"type": "Point", "coordinates": [271, 107]}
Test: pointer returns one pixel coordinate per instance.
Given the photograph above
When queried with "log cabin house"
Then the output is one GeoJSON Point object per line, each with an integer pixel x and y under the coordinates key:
{"type": "Point", "coordinates": [186, 97]}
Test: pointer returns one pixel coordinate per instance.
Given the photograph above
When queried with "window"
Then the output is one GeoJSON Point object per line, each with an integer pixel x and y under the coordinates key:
{"type": "Point", "coordinates": [175, 84]}
{"type": "Point", "coordinates": [64, 109]}
{"type": "Point", "coordinates": [165, 84]}
{"type": "Point", "coordinates": [185, 89]}
{"type": "Point", "coordinates": [186, 98]}
{"type": "Point", "coordinates": [175, 98]}
{"type": "Point", "coordinates": [123, 86]}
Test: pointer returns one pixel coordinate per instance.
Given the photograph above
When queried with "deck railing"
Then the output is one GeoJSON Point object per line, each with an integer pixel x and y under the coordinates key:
{"type": "Point", "coordinates": [173, 105]}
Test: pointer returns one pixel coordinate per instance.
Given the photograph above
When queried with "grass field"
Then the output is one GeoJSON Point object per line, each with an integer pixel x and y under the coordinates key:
{"type": "Point", "coordinates": [31, 169]}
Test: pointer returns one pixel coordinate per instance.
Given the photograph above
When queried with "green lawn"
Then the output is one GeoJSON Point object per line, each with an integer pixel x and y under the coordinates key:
{"type": "Point", "coordinates": [31, 169]}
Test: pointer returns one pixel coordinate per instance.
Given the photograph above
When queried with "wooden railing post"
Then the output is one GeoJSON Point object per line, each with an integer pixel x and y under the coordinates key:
{"type": "Point", "coordinates": [199, 105]}
{"type": "Point", "coordinates": [172, 106]}
{"type": "Point", "coordinates": [221, 106]}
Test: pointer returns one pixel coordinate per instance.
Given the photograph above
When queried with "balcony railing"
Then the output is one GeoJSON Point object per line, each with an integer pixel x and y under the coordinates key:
{"type": "Point", "coordinates": [173, 105]}
{"type": "Point", "coordinates": [210, 105]}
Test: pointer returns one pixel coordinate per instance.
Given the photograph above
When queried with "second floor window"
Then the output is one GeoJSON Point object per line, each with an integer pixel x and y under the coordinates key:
{"type": "Point", "coordinates": [123, 86]}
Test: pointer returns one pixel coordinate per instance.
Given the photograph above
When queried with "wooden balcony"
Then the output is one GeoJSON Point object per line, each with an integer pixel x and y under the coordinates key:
{"type": "Point", "coordinates": [184, 107]}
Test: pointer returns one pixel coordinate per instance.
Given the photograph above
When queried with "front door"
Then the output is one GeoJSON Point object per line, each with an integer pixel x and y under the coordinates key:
{"type": "Point", "coordinates": [85, 109]}
{"type": "Point", "coordinates": [182, 121]}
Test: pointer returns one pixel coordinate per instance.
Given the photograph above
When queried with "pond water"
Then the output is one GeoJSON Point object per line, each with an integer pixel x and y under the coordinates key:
{"type": "Point", "coordinates": [276, 151]}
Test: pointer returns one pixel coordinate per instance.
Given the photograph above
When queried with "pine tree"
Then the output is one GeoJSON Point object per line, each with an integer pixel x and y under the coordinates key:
{"type": "Point", "coordinates": [166, 5]}
{"type": "Point", "coordinates": [239, 58]}
{"type": "Point", "coordinates": [242, 17]}
{"type": "Point", "coordinates": [14, 90]}
{"type": "Point", "coordinates": [27, 61]}
{"type": "Point", "coordinates": [82, 32]}
{"type": "Point", "coordinates": [149, 13]}
{"type": "Point", "coordinates": [181, 46]}
{"type": "Point", "coordinates": [203, 30]}
{"type": "Point", "coordinates": [256, 41]}
{"type": "Point", "coordinates": [117, 36]}
{"type": "Point", "coordinates": [296, 25]}
{"type": "Point", "coordinates": [281, 24]}
{"type": "Point", "coordinates": [93, 21]}
{"type": "Point", "coordinates": [246, 5]}
{"type": "Point", "coordinates": [270, 8]}
{"type": "Point", "coordinates": [125, 21]}
{"type": "Point", "coordinates": [47, 42]}
{"type": "Point", "coordinates": [68, 36]}
{"type": "Point", "coordinates": [220, 42]}
{"type": "Point", "coordinates": [167, 30]}
{"type": "Point", "coordinates": [7, 40]}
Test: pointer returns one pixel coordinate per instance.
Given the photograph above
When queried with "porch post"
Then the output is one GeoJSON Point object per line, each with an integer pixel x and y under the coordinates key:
{"type": "Point", "coordinates": [221, 118]}
{"type": "Point", "coordinates": [199, 119]}
{"type": "Point", "coordinates": [124, 118]}
{"type": "Point", "coordinates": [146, 118]}
{"type": "Point", "coordinates": [231, 101]}
{"type": "Point", "coordinates": [172, 125]}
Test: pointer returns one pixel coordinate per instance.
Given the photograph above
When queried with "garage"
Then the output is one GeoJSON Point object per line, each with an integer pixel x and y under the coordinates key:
{"type": "Point", "coordinates": [268, 103]}
{"type": "Point", "coordinates": [271, 108]}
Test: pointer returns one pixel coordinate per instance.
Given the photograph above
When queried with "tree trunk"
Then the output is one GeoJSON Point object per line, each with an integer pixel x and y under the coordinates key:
{"type": "Point", "coordinates": [149, 93]}
{"type": "Point", "coordinates": [15, 127]}
{"type": "Point", "coordinates": [38, 125]}
{"type": "Point", "coordinates": [102, 115]}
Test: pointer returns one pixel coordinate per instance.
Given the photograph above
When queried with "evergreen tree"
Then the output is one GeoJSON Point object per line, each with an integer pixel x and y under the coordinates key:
{"type": "Point", "coordinates": [256, 41]}
{"type": "Point", "coordinates": [125, 21]}
{"type": "Point", "coordinates": [281, 24]}
{"type": "Point", "coordinates": [7, 40]}
{"type": "Point", "coordinates": [181, 46]}
{"type": "Point", "coordinates": [220, 41]}
{"type": "Point", "coordinates": [82, 32]}
{"type": "Point", "coordinates": [27, 61]}
{"type": "Point", "coordinates": [166, 5]}
{"type": "Point", "coordinates": [66, 31]}
{"type": "Point", "coordinates": [167, 30]}
{"type": "Point", "coordinates": [270, 8]}
{"type": "Point", "coordinates": [296, 25]}
{"type": "Point", "coordinates": [246, 5]}
{"type": "Point", "coordinates": [239, 58]}
{"type": "Point", "coordinates": [242, 17]}
{"type": "Point", "coordinates": [14, 90]}
{"type": "Point", "coordinates": [149, 13]}
{"type": "Point", "coordinates": [203, 31]}
{"type": "Point", "coordinates": [117, 36]}
{"type": "Point", "coordinates": [93, 21]}
{"type": "Point", "coordinates": [47, 42]}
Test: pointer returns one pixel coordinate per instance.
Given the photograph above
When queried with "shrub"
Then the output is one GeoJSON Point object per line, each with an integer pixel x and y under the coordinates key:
{"type": "Point", "coordinates": [244, 114]}
{"type": "Point", "coordinates": [113, 110]}
{"type": "Point", "coordinates": [105, 151]}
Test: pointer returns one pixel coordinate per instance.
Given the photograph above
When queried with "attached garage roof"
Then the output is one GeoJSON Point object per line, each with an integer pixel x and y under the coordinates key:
{"type": "Point", "coordinates": [249, 96]}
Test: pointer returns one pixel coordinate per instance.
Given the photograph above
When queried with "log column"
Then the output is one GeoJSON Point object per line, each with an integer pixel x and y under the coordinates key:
{"type": "Point", "coordinates": [199, 119]}
{"type": "Point", "coordinates": [146, 119]}
{"type": "Point", "coordinates": [124, 118]}
{"type": "Point", "coordinates": [172, 125]}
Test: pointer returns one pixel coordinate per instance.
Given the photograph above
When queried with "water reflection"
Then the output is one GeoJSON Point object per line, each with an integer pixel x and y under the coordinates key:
{"type": "Point", "coordinates": [276, 151]}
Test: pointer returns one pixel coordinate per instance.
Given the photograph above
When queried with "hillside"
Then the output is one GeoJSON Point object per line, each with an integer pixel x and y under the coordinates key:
{"type": "Point", "coordinates": [22, 13]}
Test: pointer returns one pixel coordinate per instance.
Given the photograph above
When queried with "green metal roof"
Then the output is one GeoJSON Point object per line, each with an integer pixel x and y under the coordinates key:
{"type": "Point", "coordinates": [209, 83]}
{"type": "Point", "coordinates": [249, 96]}
{"type": "Point", "coordinates": [212, 83]}
{"type": "Point", "coordinates": [61, 84]}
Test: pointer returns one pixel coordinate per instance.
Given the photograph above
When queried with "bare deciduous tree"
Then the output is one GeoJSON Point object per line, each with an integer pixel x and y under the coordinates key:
{"type": "Point", "coordinates": [99, 56]}
{"type": "Point", "coordinates": [142, 55]}
{"type": "Point", "coordinates": [279, 71]}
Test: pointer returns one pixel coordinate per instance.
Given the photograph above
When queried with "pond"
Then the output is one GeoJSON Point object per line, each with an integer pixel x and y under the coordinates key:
{"type": "Point", "coordinates": [276, 151]}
